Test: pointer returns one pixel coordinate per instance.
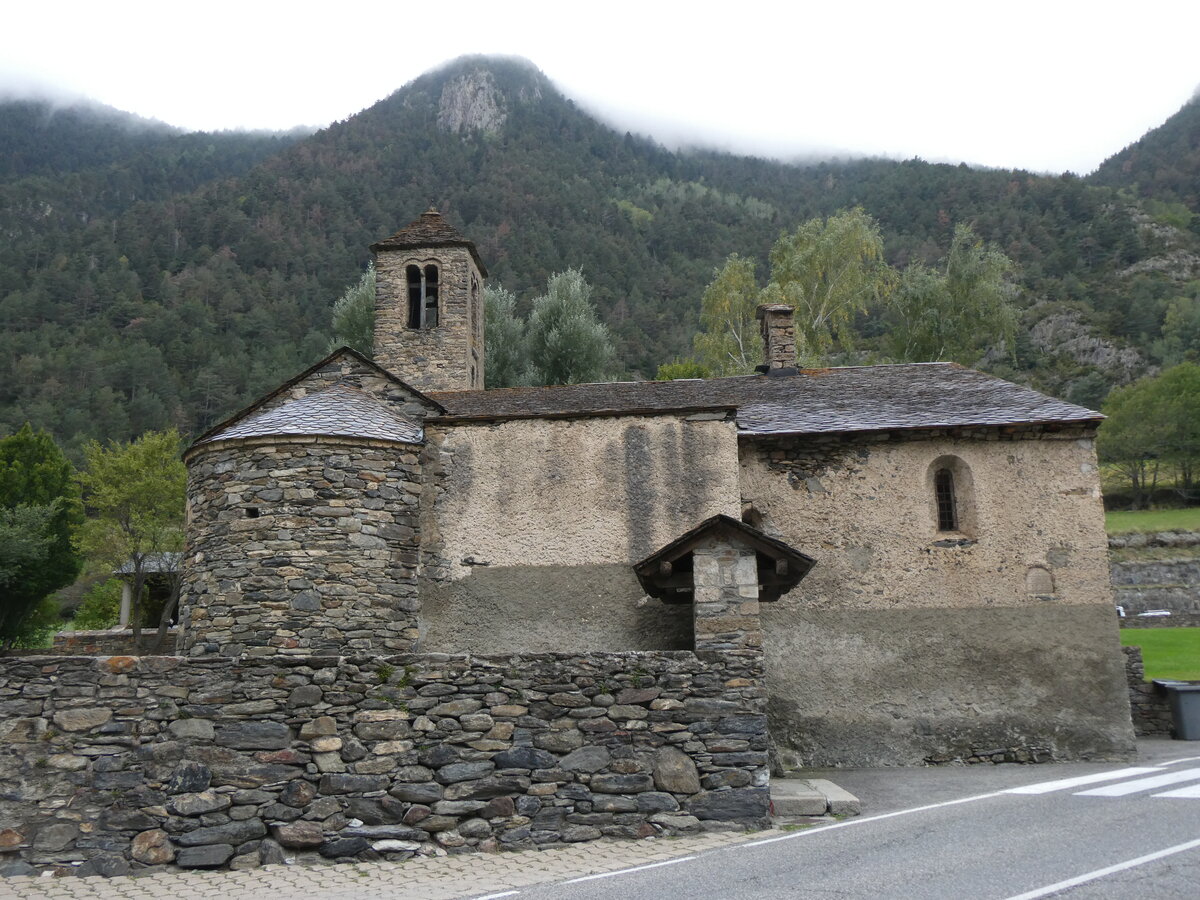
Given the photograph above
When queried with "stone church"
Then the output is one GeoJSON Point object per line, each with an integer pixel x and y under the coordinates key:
{"type": "Point", "coordinates": [924, 544]}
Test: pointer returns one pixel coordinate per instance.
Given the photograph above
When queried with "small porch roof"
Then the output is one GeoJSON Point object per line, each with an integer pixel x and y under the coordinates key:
{"type": "Point", "coordinates": [667, 573]}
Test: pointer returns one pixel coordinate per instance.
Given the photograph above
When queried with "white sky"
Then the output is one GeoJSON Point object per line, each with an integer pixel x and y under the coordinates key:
{"type": "Point", "coordinates": [1047, 85]}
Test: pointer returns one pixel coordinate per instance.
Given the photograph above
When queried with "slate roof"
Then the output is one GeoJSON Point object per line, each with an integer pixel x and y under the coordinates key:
{"type": "Point", "coordinates": [338, 411]}
{"type": "Point", "coordinates": [430, 230]}
{"type": "Point", "coordinates": [346, 352]}
{"type": "Point", "coordinates": [773, 581]}
{"type": "Point", "coordinates": [814, 401]}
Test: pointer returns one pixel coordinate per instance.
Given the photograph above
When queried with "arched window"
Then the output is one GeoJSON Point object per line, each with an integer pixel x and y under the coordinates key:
{"type": "Point", "coordinates": [431, 296]}
{"type": "Point", "coordinates": [947, 507]}
{"type": "Point", "coordinates": [952, 497]}
{"type": "Point", "coordinates": [422, 296]}
{"type": "Point", "coordinates": [413, 274]}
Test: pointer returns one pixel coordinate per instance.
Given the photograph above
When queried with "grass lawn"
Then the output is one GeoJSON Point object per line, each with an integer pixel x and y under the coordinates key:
{"type": "Point", "coordinates": [1167, 652]}
{"type": "Point", "coordinates": [1122, 521]}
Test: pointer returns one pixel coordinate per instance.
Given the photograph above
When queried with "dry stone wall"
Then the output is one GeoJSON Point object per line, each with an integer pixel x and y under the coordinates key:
{"type": "Point", "coordinates": [1148, 705]}
{"type": "Point", "coordinates": [1172, 584]}
{"type": "Point", "coordinates": [110, 765]}
{"type": "Point", "coordinates": [108, 642]}
{"type": "Point", "coordinates": [301, 545]}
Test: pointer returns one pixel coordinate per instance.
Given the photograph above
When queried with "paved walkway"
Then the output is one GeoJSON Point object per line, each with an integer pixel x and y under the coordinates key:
{"type": "Point", "coordinates": [421, 878]}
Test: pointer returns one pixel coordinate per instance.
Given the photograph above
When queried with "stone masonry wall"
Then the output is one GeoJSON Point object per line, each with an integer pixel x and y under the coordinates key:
{"type": "Point", "coordinates": [448, 357]}
{"type": "Point", "coordinates": [301, 545]}
{"type": "Point", "coordinates": [1175, 620]}
{"type": "Point", "coordinates": [110, 765]}
{"type": "Point", "coordinates": [1172, 584]}
{"type": "Point", "coordinates": [1149, 706]}
{"type": "Point", "coordinates": [106, 642]}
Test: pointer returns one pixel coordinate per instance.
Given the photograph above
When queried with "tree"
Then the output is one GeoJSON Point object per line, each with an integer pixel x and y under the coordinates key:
{"type": "Point", "coordinates": [567, 344]}
{"type": "Point", "coordinates": [955, 313]}
{"type": "Point", "coordinates": [24, 548]}
{"type": "Point", "coordinates": [506, 360]}
{"type": "Point", "coordinates": [829, 271]}
{"type": "Point", "coordinates": [134, 495]}
{"type": "Point", "coordinates": [40, 506]}
{"type": "Point", "coordinates": [1151, 424]}
{"type": "Point", "coordinates": [1180, 341]}
{"type": "Point", "coordinates": [354, 316]}
{"type": "Point", "coordinates": [730, 343]}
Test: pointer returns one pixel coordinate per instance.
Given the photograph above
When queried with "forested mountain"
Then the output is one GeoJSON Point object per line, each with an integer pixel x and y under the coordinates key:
{"type": "Point", "coordinates": [1165, 164]}
{"type": "Point", "coordinates": [150, 278]}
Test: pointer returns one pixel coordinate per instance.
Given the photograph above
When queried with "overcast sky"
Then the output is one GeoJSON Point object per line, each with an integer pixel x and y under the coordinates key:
{"type": "Point", "coordinates": [1048, 85]}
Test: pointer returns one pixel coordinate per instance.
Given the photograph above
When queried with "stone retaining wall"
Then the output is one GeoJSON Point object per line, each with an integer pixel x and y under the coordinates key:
{"type": "Point", "coordinates": [107, 642]}
{"type": "Point", "coordinates": [1175, 620]}
{"type": "Point", "coordinates": [1172, 584]}
{"type": "Point", "coordinates": [1148, 705]}
{"type": "Point", "coordinates": [109, 765]}
{"type": "Point", "coordinates": [1136, 540]}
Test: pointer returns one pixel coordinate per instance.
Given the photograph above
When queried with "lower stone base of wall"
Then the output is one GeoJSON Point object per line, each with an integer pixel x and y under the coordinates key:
{"type": "Point", "coordinates": [110, 765]}
{"type": "Point", "coordinates": [108, 642]}
{"type": "Point", "coordinates": [932, 686]}
{"type": "Point", "coordinates": [1175, 620]}
{"type": "Point", "coordinates": [1149, 706]}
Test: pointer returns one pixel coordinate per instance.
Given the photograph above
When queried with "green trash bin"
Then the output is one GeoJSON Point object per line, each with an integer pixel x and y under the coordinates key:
{"type": "Point", "coordinates": [1184, 697]}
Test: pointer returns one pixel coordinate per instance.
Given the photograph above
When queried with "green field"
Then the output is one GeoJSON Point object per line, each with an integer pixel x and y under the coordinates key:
{"type": "Point", "coordinates": [1167, 652]}
{"type": "Point", "coordinates": [1122, 521]}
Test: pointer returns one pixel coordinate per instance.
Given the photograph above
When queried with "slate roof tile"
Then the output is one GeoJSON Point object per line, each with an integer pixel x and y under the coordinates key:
{"type": "Point", "coordinates": [429, 230]}
{"type": "Point", "coordinates": [814, 401]}
{"type": "Point", "coordinates": [338, 411]}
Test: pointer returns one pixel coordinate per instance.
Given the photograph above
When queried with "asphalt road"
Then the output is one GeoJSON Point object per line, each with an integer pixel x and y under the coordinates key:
{"type": "Point", "coordinates": [1004, 832]}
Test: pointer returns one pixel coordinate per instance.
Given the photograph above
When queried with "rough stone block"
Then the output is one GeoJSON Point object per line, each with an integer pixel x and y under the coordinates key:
{"type": "Point", "coordinates": [211, 856]}
{"type": "Point", "coordinates": [674, 771]}
{"type": "Point", "coordinates": [254, 736]}
{"type": "Point", "coordinates": [621, 784]}
{"type": "Point", "coordinates": [152, 848]}
{"type": "Point", "coordinates": [737, 803]}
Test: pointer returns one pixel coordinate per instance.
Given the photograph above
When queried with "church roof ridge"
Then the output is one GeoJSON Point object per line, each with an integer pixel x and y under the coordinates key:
{"type": "Point", "coordinates": [340, 410]}
{"type": "Point", "coordinates": [430, 229]}
{"type": "Point", "coordinates": [814, 401]}
{"type": "Point", "coordinates": [262, 401]}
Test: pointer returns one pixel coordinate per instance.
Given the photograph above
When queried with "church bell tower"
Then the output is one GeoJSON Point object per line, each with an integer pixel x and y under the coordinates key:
{"type": "Point", "coordinates": [429, 306]}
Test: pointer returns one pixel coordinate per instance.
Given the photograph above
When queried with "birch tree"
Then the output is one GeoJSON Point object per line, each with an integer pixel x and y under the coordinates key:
{"type": "Point", "coordinates": [829, 271]}
{"type": "Point", "coordinates": [957, 312]}
{"type": "Point", "coordinates": [730, 343]}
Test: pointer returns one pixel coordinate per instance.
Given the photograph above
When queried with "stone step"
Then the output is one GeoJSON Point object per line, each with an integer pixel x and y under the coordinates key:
{"type": "Point", "coordinates": [792, 797]}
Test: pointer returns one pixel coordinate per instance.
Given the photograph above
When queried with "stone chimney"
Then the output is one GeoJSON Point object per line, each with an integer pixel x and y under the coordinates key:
{"type": "Point", "coordinates": [779, 338]}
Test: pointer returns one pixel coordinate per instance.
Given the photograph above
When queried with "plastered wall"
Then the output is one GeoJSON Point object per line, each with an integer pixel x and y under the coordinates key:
{"type": "Point", "coordinates": [533, 526]}
{"type": "Point", "coordinates": [865, 510]}
{"type": "Point", "coordinates": [908, 645]}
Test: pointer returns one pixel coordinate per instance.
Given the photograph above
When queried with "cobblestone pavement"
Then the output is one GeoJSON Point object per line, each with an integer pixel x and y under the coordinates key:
{"type": "Point", "coordinates": [425, 878]}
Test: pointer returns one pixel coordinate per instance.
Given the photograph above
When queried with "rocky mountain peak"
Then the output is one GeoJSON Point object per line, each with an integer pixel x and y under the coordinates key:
{"type": "Point", "coordinates": [471, 102]}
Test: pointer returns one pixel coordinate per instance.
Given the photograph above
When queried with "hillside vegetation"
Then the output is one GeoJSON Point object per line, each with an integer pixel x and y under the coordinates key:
{"type": "Point", "coordinates": [151, 279]}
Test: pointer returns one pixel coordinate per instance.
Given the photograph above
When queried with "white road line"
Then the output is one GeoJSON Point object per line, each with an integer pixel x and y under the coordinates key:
{"type": "Point", "coordinates": [1142, 784]}
{"type": "Point", "coordinates": [668, 862]}
{"type": "Point", "coordinates": [1191, 792]}
{"type": "Point", "coordinates": [850, 823]}
{"type": "Point", "coordinates": [1045, 787]}
{"type": "Point", "coordinates": [1183, 759]}
{"type": "Point", "coordinates": [497, 896]}
{"type": "Point", "coordinates": [1100, 873]}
